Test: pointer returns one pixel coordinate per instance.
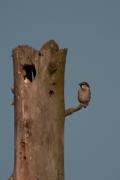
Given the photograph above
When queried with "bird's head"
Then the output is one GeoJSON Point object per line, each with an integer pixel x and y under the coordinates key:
{"type": "Point", "coordinates": [84, 85]}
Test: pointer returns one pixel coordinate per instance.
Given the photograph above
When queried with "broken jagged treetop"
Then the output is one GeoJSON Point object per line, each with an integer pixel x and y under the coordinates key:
{"type": "Point", "coordinates": [31, 60]}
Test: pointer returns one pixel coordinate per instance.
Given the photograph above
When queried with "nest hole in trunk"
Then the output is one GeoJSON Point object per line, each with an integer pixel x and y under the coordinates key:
{"type": "Point", "coordinates": [29, 72]}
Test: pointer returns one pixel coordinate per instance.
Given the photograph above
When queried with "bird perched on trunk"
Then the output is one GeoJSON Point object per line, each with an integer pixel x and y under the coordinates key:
{"type": "Point", "coordinates": [84, 94]}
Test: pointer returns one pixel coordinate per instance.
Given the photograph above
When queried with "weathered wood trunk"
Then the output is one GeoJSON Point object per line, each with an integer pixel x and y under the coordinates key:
{"type": "Point", "coordinates": [39, 112]}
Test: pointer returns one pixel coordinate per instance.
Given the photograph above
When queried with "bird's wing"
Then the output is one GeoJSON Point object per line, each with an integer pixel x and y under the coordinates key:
{"type": "Point", "coordinates": [78, 94]}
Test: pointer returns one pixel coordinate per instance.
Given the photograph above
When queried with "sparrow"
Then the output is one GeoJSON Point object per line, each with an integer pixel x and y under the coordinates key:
{"type": "Point", "coordinates": [84, 94]}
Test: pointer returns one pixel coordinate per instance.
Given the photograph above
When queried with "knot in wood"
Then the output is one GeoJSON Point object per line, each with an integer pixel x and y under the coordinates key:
{"type": "Point", "coordinates": [52, 67]}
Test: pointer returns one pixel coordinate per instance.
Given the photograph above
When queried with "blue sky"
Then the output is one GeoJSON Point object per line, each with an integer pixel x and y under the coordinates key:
{"type": "Point", "coordinates": [90, 29]}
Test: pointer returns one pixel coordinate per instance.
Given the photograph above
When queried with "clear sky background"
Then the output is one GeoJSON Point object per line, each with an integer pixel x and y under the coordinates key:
{"type": "Point", "coordinates": [90, 29]}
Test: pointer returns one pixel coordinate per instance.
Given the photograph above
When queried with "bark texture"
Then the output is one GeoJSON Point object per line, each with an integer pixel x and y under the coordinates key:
{"type": "Point", "coordinates": [39, 112]}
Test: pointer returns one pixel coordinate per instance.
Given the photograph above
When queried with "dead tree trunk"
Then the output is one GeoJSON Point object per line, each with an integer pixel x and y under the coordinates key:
{"type": "Point", "coordinates": [39, 112]}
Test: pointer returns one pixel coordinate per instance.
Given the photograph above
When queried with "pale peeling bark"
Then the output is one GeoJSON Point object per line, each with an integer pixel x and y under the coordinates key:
{"type": "Point", "coordinates": [39, 112]}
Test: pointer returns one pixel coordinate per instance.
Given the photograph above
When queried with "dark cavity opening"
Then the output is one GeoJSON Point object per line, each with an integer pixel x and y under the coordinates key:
{"type": "Point", "coordinates": [40, 54]}
{"type": "Point", "coordinates": [24, 157]}
{"type": "Point", "coordinates": [51, 92]}
{"type": "Point", "coordinates": [30, 72]}
{"type": "Point", "coordinates": [54, 83]}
